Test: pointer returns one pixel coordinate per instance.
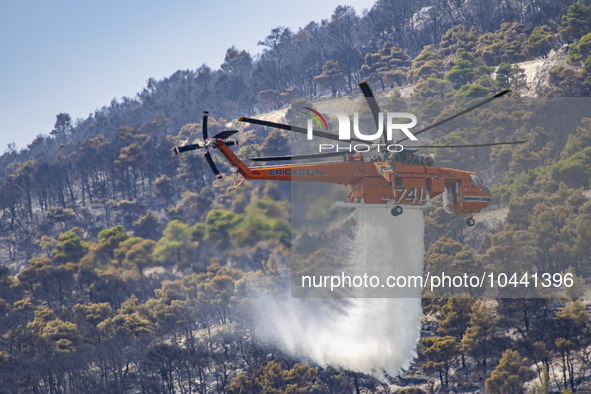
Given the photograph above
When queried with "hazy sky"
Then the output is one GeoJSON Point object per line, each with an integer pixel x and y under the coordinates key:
{"type": "Point", "coordinates": [76, 56]}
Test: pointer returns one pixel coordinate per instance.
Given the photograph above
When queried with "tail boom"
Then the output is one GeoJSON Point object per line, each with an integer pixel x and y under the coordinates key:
{"type": "Point", "coordinates": [318, 172]}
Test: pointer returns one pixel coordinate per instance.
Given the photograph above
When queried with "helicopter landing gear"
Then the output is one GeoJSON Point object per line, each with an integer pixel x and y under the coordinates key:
{"type": "Point", "coordinates": [470, 222]}
{"type": "Point", "coordinates": [397, 210]}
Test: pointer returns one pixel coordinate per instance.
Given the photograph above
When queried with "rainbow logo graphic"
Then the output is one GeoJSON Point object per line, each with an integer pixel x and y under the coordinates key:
{"type": "Point", "coordinates": [317, 117]}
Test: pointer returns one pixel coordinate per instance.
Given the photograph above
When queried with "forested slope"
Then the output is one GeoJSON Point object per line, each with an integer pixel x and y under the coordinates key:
{"type": "Point", "coordinates": [127, 269]}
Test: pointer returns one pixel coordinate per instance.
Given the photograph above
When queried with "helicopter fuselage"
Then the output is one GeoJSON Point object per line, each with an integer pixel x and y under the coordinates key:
{"type": "Point", "coordinates": [380, 182]}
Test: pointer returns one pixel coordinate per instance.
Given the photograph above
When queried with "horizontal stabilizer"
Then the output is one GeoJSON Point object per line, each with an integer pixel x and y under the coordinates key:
{"type": "Point", "coordinates": [225, 134]}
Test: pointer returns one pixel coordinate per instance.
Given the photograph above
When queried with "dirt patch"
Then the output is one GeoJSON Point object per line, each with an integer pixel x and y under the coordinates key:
{"type": "Point", "coordinates": [537, 71]}
{"type": "Point", "coordinates": [492, 216]}
{"type": "Point", "coordinates": [278, 116]}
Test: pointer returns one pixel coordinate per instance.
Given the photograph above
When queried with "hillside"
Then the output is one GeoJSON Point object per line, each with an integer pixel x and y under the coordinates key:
{"type": "Point", "coordinates": [127, 269]}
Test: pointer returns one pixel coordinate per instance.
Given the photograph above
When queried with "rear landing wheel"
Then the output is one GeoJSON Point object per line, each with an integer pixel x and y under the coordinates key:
{"type": "Point", "coordinates": [470, 222]}
{"type": "Point", "coordinates": [397, 210]}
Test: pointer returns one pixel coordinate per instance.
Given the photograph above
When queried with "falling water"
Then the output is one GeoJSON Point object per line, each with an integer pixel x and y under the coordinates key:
{"type": "Point", "coordinates": [364, 334]}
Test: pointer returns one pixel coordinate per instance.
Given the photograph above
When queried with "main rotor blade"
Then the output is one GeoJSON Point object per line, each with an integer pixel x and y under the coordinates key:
{"type": "Point", "coordinates": [488, 100]}
{"type": "Point", "coordinates": [465, 146]}
{"type": "Point", "coordinates": [408, 148]}
{"type": "Point", "coordinates": [212, 165]}
{"type": "Point", "coordinates": [371, 101]}
{"type": "Point", "coordinates": [299, 157]}
{"type": "Point", "coordinates": [186, 148]}
{"type": "Point", "coordinates": [204, 125]}
{"type": "Point", "coordinates": [297, 129]}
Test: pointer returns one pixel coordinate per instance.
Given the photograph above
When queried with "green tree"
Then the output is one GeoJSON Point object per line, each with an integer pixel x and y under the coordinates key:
{"type": "Point", "coordinates": [455, 317]}
{"type": "Point", "coordinates": [480, 333]}
{"type": "Point", "coordinates": [175, 246]}
{"type": "Point", "coordinates": [582, 234]}
{"type": "Point", "coordinates": [580, 49]}
{"type": "Point", "coordinates": [163, 188]}
{"type": "Point", "coordinates": [539, 42]}
{"type": "Point", "coordinates": [88, 316]}
{"type": "Point", "coordinates": [434, 89]}
{"type": "Point", "coordinates": [578, 141]}
{"type": "Point", "coordinates": [277, 98]}
{"type": "Point", "coordinates": [576, 22]}
{"type": "Point", "coordinates": [136, 253]}
{"type": "Point", "coordinates": [440, 352]}
{"type": "Point", "coordinates": [60, 215]}
{"type": "Point", "coordinates": [428, 63]}
{"type": "Point", "coordinates": [276, 143]}
{"type": "Point", "coordinates": [47, 245]}
{"type": "Point", "coordinates": [510, 375]}
{"type": "Point", "coordinates": [565, 349]}
{"type": "Point", "coordinates": [586, 76]}
{"type": "Point", "coordinates": [472, 90]}
{"type": "Point", "coordinates": [458, 39]}
{"type": "Point", "coordinates": [21, 184]}
{"type": "Point", "coordinates": [101, 255]}
{"type": "Point", "coordinates": [272, 378]}
{"type": "Point", "coordinates": [564, 81]}
{"type": "Point", "coordinates": [387, 66]}
{"type": "Point", "coordinates": [466, 261]}
{"type": "Point", "coordinates": [111, 238]}
{"type": "Point", "coordinates": [512, 248]}
{"type": "Point", "coordinates": [503, 45]}
{"type": "Point", "coordinates": [128, 162]}
{"type": "Point", "coordinates": [148, 226]}
{"type": "Point", "coordinates": [574, 171]}
{"type": "Point", "coordinates": [129, 210]}
{"type": "Point", "coordinates": [49, 283]}
{"type": "Point", "coordinates": [63, 335]}
{"type": "Point", "coordinates": [331, 78]}
{"type": "Point", "coordinates": [462, 71]}
{"type": "Point", "coordinates": [508, 75]}
{"type": "Point", "coordinates": [129, 323]}
{"type": "Point", "coordinates": [219, 223]}
{"type": "Point", "coordinates": [215, 294]}
{"type": "Point", "coordinates": [412, 390]}
{"type": "Point", "coordinates": [70, 248]}
{"type": "Point", "coordinates": [573, 321]}
{"type": "Point", "coordinates": [261, 220]}
{"type": "Point", "coordinates": [441, 254]}
{"type": "Point", "coordinates": [236, 61]}
{"type": "Point", "coordinates": [63, 125]}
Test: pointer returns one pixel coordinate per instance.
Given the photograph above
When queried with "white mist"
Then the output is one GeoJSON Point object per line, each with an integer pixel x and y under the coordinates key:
{"type": "Point", "coordinates": [368, 335]}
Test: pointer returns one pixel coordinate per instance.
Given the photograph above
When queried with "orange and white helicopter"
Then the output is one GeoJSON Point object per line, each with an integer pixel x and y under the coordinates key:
{"type": "Point", "coordinates": [392, 181]}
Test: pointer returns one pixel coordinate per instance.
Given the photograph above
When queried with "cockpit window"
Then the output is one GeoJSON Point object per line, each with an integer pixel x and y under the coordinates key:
{"type": "Point", "coordinates": [475, 180]}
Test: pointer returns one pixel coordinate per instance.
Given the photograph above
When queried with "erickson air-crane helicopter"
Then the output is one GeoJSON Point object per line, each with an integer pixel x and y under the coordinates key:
{"type": "Point", "coordinates": [394, 181]}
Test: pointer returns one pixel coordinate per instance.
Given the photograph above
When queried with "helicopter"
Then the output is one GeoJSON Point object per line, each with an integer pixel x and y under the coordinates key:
{"type": "Point", "coordinates": [395, 181]}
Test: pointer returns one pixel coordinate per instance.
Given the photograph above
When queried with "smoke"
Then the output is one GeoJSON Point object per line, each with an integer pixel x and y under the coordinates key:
{"type": "Point", "coordinates": [363, 334]}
